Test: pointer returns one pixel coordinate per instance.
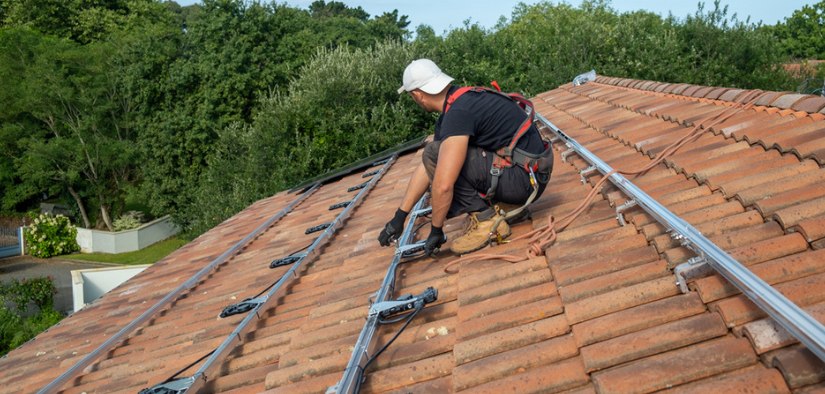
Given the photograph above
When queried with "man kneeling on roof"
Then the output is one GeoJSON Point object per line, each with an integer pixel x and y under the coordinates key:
{"type": "Point", "coordinates": [487, 160]}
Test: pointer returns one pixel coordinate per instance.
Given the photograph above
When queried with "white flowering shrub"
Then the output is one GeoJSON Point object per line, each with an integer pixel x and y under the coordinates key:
{"type": "Point", "coordinates": [126, 222]}
{"type": "Point", "coordinates": [51, 236]}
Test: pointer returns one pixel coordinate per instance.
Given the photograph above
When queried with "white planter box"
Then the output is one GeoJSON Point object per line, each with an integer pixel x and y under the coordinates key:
{"type": "Point", "coordinates": [92, 241]}
{"type": "Point", "coordinates": [89, 285]}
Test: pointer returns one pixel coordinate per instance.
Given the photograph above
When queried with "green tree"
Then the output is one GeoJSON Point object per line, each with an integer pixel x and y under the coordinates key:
{"type": "Point", "coordinates": [803, 34]}
{"type": "Point", "coordinates": [84, 141]}
{"type": "Point", "coordinates": [343, 107]}
{"type": "Point", "coordinates": [83, 21]}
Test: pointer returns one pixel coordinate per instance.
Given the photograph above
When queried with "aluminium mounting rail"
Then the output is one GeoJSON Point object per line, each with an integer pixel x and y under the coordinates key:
{"type": "Point", "coordinates": [151, 312]}
{"type": "Point", "coordinates": [195, 382]}
{"type": "Point", "coordinates": [801, 325]}
{"type": "Point", "coordinates": [366, 340]}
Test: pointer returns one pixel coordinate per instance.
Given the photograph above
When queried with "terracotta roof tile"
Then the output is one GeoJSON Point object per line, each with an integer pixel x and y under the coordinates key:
{"type": "Point", "coordinates": [757, 380]}
{"type": "Point", "coordinates": [607, 265]}
{"type": "Point", "coordinates": [786, 140]}
{"type": "Point", "coordinates": [509, 339]}
{"type": "Point", "coordinates": [805, 291]}
{"type": "Point", "coordinates": [703, 92]}
{"type": "Point", "coordinates": [617, 300]}
{"type": "Point", "coordinates": [792, 215]}
{"type": "Point", "coordinates": [555, 377]}
{"type": "Point", "coordinates": [506, 301]}
{"type": "Point", "coordinates": [780, 186]}
{"type": "Point", "coordinates": [812, 229]}
{"type": "Point", "coordinates": [613, 281]}
{"type": "Point", "coordinates": [513, 362]}
{"type": "Point", "coordinates": [769, 97]}
{"type": "Point", "coordinates": [787, 101]}
{"type": "Point", "coordinates": [810, 104]}
{"type": "Point", "coordinates": [767, 335]}
{"type": "Point", "coordinates": [637, 318]}
{"type": "Point", "coordinates": [775, 271]}
{"type": "Point", "coordinates": [799, 367]}
{"type": "Point", "coordinates": [652, 341]}
{"type": "Point", "coordinates": [679, 367]}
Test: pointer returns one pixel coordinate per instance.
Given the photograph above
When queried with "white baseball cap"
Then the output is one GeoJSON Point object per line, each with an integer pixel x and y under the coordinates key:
{"type": "Point", "coordinates": [424, 74]}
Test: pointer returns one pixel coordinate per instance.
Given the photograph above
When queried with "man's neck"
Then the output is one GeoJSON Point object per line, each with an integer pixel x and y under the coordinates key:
{"type": "Point", "coordinates": [441, 98]}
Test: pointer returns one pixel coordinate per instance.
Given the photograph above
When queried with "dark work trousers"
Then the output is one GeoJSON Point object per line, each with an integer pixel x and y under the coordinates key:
{"type": "Point", "coordinates": [513, 184]}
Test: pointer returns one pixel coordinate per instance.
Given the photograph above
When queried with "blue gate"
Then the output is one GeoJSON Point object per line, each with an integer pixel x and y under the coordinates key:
{"type": "Point", "coordinates": [10, 242]}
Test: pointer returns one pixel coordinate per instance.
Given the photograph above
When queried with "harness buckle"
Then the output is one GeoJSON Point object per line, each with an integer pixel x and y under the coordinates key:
{"type": "Point", "coordinates": [495, 171]}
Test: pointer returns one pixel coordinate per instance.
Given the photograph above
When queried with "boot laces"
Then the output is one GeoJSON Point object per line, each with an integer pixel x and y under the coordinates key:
{"type": "Point", "coordinates": [470, 224]}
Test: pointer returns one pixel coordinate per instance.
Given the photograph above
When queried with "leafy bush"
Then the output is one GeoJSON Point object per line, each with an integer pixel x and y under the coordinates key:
{"type": "Point", "coordinates": [50, 236]}
{"type": "Point", "coordinates": [15, 330]}
{"type": "Point", "coordinates": [40, 290]}
{"type": "Point", "coordinates": [126, 222]}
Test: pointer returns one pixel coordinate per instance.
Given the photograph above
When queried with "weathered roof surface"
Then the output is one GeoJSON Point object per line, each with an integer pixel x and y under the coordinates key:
{"type": "Point", "coordinates": [600, 313]}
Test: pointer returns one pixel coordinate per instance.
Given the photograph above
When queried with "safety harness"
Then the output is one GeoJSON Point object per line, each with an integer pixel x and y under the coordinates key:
{"type": "Point", "coordinates": [509, 155]}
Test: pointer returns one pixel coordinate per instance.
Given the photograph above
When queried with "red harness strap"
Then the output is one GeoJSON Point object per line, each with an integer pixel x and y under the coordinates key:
{"type": "Point", "coordinates": [504, 156]}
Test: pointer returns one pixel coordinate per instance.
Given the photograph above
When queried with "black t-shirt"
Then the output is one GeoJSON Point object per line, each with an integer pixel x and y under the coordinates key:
{"type": "Point", "coordinates": [490, 120]}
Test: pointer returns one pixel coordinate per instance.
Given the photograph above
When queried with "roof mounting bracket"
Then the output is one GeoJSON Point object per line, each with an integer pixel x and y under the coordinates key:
{"type": "Point", "coordinates": [402, 304]}
{"type": "Point", "coordinates": [620, 211]}
{"type": "Point", "coordinates": [340, 205]}
{"type": "Point", "coordinates": [318, 228]}
{"type": "Point", "coordinates": [586, 171]}
{"type": "Point", "coordinates": [332, 389]}
{"type": "Point", "coordinates": [371, 173]}
{"type": "Point", "coordinates": [174, 387]}
{"type": "Point", "coordinates": [423, 212]}
{"type": "Point", "coordinates": [287, 260]}
{"type": "Point", "coordinates": [695, 268]}
{"type": "Point", "coordinates": [566, 153]}
{"type": "Point", "coordinates": [243, 306]}
{"type": "Point", "coordinates": [407, 250]}
{"type": "Point", "coordinates": [359, 187]}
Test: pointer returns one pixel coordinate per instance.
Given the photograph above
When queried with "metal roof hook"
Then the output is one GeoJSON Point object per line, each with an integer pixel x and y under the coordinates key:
{"type": "Point", "coordinates": [582, 79]}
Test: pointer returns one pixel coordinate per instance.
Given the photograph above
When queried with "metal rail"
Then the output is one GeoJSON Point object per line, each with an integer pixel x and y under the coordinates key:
{"type": "Point", "coordinates": [199, 378]}
{"type": "Point", "coordinates": [809, 331]}
{"type": "Point", "coordinates": [151, 312]}
{"type": "Point", "coordinates": [366, 340]}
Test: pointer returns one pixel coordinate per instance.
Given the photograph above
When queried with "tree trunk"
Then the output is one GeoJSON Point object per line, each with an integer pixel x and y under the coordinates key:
{"type": "Point", "coordinates": [104, 211]}
{"type": "Point", "coordinates": [83, 214]}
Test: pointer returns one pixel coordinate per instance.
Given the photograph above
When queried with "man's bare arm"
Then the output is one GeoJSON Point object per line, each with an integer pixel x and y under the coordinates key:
{"type": "Point", "coordinates": [450, 160]}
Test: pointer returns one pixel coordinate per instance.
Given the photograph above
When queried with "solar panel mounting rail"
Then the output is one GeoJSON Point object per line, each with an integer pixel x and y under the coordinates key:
{"type": "Point", "coordinates": [800, 324]}
{"type": "Point", "coordinates": [366, 340]}
{"type": "Point", "coordinates": [72, 372]}
{"type": "Point", "coordinates": [195, 382]}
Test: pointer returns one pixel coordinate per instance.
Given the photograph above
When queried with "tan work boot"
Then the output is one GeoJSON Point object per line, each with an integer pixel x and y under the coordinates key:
{"type": "Point", "coordinates": [523, 215]}
{"type": "Point", "coordinates": [477, 232]}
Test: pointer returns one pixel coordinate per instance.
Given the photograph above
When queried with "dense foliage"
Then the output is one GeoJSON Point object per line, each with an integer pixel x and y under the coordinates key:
{"type": "Point", "coordinates": [50, 235]}
{"type": "Point", "coordinates": [803, 34]}
{"type": "Point", "coordinates": [201, 110]}
{"type": "Point", "coordinates": [15, 328]}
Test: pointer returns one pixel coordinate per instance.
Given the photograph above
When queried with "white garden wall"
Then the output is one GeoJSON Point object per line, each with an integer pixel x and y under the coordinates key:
{"type": "Point", "coordinates": [92, 241]}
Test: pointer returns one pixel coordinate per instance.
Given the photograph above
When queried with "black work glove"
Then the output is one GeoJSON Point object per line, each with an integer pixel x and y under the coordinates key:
{"type": "Point", "coordinates": [393, 229]}
{"type": "Point", "coordinates": [434, 242]}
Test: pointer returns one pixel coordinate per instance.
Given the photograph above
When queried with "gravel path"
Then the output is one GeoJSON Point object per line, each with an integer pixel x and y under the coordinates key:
{"type": "Point", "coordinates": [30, 267]}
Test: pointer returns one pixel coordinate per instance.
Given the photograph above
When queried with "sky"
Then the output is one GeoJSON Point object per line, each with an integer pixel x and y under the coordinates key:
{"type": "Point", "coordinates": [443, 15]}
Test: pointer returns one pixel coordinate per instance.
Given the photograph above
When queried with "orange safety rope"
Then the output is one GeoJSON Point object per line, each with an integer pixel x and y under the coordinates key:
{"type": "Point", "coordinates": [540, 238]}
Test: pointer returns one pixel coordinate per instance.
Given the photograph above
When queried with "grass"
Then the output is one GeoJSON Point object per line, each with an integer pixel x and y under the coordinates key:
{"type": "Point", "coordinates": [148, 255]}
